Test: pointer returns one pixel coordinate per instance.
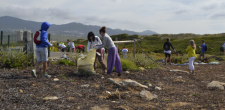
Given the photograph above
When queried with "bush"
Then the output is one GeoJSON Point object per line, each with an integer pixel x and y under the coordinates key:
{"type": "Point", "coordinates": [15, 59]}
{"type": "Point", "coordinates": [128, 65]}
{"type": "Point", "coordinates": [66, 62]}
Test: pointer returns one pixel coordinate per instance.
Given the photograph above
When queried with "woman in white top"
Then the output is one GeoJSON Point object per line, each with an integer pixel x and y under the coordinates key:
{"type": "Point", "coordinates": [71, 45]}
{"type": "Point", "coordinates": [92, 41]}
{"type": "Point", "coordinates": [62, 46]}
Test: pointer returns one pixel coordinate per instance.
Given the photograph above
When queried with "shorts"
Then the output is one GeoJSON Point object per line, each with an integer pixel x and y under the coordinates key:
{"type": "Point", "coordinates": [202, 54]}
{"type": "Point", "coordinates": [167, 54]}
{"type": "Point", "coordinates": [41, 54]}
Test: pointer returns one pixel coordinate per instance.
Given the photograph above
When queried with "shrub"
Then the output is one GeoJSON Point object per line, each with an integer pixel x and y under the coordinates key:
{"type": "Point", "coordinates": [15, 59]}
{"type": "Point", "coordinates": [66, 62]}
{"type": "Point", "coordinates": [128, 65]}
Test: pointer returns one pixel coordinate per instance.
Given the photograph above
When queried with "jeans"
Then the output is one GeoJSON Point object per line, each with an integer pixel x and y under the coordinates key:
{"type": "Point", "coordinates": [41, 54]}
{"type": "Point", "coordinates": [191, 63]}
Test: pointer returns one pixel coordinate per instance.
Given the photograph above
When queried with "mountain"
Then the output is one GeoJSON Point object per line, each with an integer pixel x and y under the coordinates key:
{"type": "Point", "coordinates": [71, 29]}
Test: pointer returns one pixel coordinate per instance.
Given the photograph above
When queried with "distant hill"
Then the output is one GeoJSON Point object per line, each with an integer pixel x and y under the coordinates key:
{"type": "Point", "coordinates": [71, 29]}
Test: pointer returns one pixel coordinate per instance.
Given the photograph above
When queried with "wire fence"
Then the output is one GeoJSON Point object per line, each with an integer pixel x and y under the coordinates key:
{"type": "Point", "coordinates": [9, 40]}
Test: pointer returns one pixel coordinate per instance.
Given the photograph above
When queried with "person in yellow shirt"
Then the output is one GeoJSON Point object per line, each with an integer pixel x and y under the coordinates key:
{"type": "Point", "coordinates": [192, 55]}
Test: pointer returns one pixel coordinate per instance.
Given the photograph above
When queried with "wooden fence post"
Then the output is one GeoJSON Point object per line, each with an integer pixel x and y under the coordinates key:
{"type": "Point", "coordinates": [8, 41]}
{"type": "Point", "coordinates": [134, 49]}
{"type": "Point", "coordinates": [49, 46]}
{"type": "Point", "coordinates": [1, 37]}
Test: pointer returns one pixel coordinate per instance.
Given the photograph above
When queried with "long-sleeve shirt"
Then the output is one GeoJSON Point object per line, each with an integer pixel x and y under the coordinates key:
{"type": "Point", "coordinates": [71, 45]}
{"type": "Point", "coordinates": [167, 46]}
{"type": "Point", "coordinates": [44, 36]}
{"type": "Point", "coordinates": [93, 43]}
{"type": "Point", "coordinates": [107, 42]}
{"type": "Point", "coordinates": [191, 51]}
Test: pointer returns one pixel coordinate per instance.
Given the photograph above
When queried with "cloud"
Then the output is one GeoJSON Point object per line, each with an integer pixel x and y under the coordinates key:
{"type": "Point", "coordinates": [180, 12]}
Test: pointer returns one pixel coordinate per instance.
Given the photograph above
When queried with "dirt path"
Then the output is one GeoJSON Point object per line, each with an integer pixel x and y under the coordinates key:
{"type": "Point", "coordinates": [179, 90]}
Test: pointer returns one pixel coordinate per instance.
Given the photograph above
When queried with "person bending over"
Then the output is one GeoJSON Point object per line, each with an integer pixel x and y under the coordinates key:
{"type": "Point", "coordinates": [113, 56]}
{"type": "Point", "coordinates": [62, 46]}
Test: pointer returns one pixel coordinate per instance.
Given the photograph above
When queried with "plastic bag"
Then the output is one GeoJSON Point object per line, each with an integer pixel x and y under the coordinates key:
{"type": "Point", "coordinates": [85, 65]}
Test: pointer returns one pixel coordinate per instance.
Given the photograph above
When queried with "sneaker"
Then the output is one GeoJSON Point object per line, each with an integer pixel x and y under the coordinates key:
{"type": "Point", "coordinates": [46, 75]}
{"type": "Point", "coordinates": [34, 73]}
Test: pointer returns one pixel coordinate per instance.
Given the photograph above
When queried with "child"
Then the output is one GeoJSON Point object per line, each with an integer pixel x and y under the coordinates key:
{"type": "Point", "coordinates": [113, 56]}
{"type": "Point", "coordinates": [42, 52]}
{"type": "Point", "coordinates": [191, 54]}
{"type": "Point", "coordinates": [124, 51]}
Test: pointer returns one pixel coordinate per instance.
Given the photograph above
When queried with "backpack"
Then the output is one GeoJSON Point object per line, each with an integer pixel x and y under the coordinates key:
{"type": "Point", "coordinates": [37, 37]}
{"type": "Point", "coordinates": [206, 48]}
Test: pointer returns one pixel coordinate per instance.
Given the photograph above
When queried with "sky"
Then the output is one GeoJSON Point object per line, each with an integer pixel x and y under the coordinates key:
{"type": "Point", "coordinates": [161, 16]}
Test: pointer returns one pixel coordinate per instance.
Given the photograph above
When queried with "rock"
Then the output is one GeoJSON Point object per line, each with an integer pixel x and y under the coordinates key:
{"type": "Point", "coordinates": [147, 95]}
{"type": "Point", "coordinates": [85, 85]}
{"type": "Point", "coordinates": [102, 77]}
{"type": "Point", "coordinates": [102, 107]}
{"type": "Point", "coordinates": [127, 72]}
{"type": "Point", "coordinates": [176, 80]}
{"type": "Point", "coordinates": [51, 98]}
{"type": "Point", "coordinates": [126, 83]}
{"type": "Point", "coordinates": [216, 84]}
{"type": "Point", "coordinates": [179, 77]}
{"type": "Point", "coordinates": [21, 91]}
{"type": "Point", "coordinates": [158, 88]}
{"type": "Point", "coordinates": [141, 68]}
{"type": "Point", "coordinates": [123, 107]}
{"type": "Point", "coordinates": [55, 79]}
{"type": "Point", "coordinates": [149, 84]}
{"type": "Point", "coordinates": [78, 107]}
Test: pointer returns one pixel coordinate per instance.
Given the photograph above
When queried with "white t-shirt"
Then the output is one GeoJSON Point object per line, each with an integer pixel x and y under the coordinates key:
{"type": "Point", "coordinates": [61, 45]}
{"type": "Point", "coordinates": [96, 42]}
{"type": "Point", "coordinates": [125, 50]}
{"type": "Point", "coordinates": [72, 44]}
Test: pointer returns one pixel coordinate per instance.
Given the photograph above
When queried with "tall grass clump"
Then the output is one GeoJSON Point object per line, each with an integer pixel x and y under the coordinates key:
{"type": "Point", "coordinates": [128, 65]}
{"type": "Point", "coordinates": [141, 60]}
{"type": "Point", "coordinates": [15, 59]}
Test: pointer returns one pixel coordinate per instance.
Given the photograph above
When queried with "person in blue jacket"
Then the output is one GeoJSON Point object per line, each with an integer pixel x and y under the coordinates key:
{"type": "Point", "coordinates": [42, 52]}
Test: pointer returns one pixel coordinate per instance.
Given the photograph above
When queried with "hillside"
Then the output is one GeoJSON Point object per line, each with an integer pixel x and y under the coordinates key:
{"type": "Point", "coordinates": [71, 29]}
{"type": "Point", "coordinates": [154, 43]}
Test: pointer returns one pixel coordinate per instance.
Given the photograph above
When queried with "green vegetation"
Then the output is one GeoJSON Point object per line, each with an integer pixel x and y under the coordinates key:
{"type": "Point", "coordinates": [128, 65]}
{"type": "Point", "coordinates": [66, 62]}
{"type": "Point", "coordinates": [15, 59]}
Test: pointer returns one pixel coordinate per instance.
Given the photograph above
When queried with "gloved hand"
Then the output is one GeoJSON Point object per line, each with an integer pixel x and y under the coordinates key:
{"type": "Point", "coordinates": [51, 45]}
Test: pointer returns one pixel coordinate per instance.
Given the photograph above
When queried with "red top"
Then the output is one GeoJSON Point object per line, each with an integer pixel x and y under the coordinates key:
{"type": "Point", "coordinates": [126, 48]}
{"type": "Point", "coordinates": [80, 46]}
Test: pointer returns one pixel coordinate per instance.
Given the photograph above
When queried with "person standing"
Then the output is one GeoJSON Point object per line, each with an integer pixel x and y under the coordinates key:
{"type": "Point", "coordinates": [125, 51]}
{"type": "Point", "coordinates": [42, 52]}
{"type": "Point", "coordinates": [192, 55]}
{"type": "Point", "coordinates": [202, 47]}
{"type": "Point", "coordinates": [71, 45]}
{"type": "Point", "coordinates": [167, 50]}
{"type": "Point", "coordinates": [92, 41]}
{"type": "Point", "coordinates": [113, 56]}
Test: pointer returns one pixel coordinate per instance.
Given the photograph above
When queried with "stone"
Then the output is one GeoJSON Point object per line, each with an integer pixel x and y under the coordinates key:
{"type": "Point", "coordinates": [141, 68]}
{"type": "Point", "coordinates": [176, 80]}
{"type": "Point", "coordinates": [21, 91]}
{"type": "Point", "coordinates": [147, 95]}
{"type": "Point", "coordinates": [51, 98]}
{"type": "Point", "coordinates": [85, 85]}
{"type": "Point", "coordinates": [55, 79]}
{"type": "Point", "coordinates": [127, 72]}
{"type": "Point", "coordinates": [123, 107]}
{"type": "Point", "coordinates": [126, 82]}
{"type": "Point", "coordinates": [102, 107]}
{"type": "Point", "coordinates": [179, 77]}
{"type": "Point", "coordinates": [158, 88]}
{"type": "Point", "coordinates": [149, 84]}
{"type": "Point", "coordinates": [216, 84]}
